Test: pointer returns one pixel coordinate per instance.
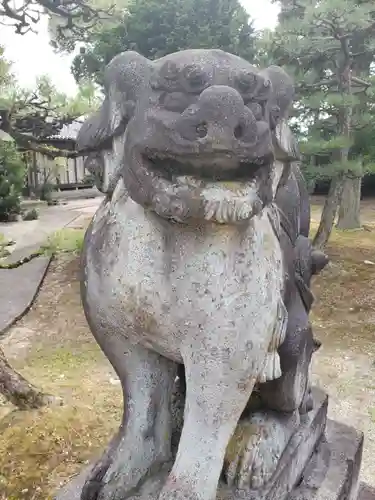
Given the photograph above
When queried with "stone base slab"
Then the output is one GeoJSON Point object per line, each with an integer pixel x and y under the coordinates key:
{"type": "Point", "coordinates": [333, 471]}
{"type": "Point", "coordinates": [321, 462]}
{"type": "Point", "coordinates": [366, 492]}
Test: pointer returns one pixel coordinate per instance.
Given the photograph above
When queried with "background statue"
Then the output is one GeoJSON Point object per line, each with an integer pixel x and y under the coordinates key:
{"type": "Point", "coordinates": [198, 263]}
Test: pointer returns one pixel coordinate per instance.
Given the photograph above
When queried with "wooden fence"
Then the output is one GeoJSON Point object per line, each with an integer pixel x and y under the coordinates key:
{"type": "Point", "coordinates": [62, 173]}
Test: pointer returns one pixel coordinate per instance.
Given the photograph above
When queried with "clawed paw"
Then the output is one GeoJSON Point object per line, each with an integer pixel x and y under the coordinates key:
{"type": "Point", "coordinates": [93, 483]}
{"type": "Point", "coordinates": [255, 450]}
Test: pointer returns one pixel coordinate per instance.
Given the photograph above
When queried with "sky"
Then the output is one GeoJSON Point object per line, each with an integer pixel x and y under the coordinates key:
{"type": "Point", "coordinates": [33, 56]}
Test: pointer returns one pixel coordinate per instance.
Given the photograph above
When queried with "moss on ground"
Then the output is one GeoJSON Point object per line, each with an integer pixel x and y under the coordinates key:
{"type": "Point", "coordinates": [65, 240]}
{"type": "Point", "coordinates": [4, 243]}
{"type": "Point", "coordinates": [36, 444]}
{"type": "Point", "coordinates": [39, 448]}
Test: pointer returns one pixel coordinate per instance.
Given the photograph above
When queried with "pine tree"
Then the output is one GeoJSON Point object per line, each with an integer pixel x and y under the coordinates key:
{"type": "Point", "coordinates": [328, 45]}
{"type": "Point", "coordinates": [155, 28]}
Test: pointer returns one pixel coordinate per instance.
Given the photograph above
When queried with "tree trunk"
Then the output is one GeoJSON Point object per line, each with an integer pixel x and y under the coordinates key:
{"type": "Point", "coordinates": [329, 212]}
{"type": "Point", "coordinates": [19, 391]}
{"type": "Point", "coordinates": [349, 211]}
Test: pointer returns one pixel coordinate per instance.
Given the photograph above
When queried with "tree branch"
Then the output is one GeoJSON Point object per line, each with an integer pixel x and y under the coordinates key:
{"type": "Point", "coordinates": [359, 81]}
{"type": "Point", "coordinates": [75, 12]}
{"type": "Point", "coordinates": [19, 391]}
{"type": "Point", "coordinates": [29, 143]}
{"type": "Point", "coordinates": [325, 83]}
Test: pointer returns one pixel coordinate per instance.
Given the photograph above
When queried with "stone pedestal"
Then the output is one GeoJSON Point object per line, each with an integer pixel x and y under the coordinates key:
{"type": "Point", "coordinates": [321, 462]}
{"type": "Point", "coordinates": [366, 492]}
{"type": "Point", "coordinates": [333, 471]}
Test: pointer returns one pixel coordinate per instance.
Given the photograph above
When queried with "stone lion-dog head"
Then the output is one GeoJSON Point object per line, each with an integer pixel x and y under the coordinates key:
{"type": "Point", "coordinates": [195, 135]}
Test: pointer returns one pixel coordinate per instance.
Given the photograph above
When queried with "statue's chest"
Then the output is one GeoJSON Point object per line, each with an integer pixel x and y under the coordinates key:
{"type": "Point", "coordinates": [159, 276]}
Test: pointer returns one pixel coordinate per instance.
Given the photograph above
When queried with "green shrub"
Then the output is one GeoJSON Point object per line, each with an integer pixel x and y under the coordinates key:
{"type": "Point", "coordinates": [12, 174]}
{"type": "Point", "coordinates": [32, 214]}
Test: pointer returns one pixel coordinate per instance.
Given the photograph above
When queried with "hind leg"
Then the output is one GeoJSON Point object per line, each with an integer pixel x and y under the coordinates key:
{"type": "Point", "coordinates": [143, 440]}
{"type": "Point", "coordinates": [291, 391]}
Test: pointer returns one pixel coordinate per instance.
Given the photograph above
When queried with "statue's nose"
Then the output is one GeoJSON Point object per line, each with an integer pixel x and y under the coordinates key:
{"type": "Point", "coordinates": [218, 118]}
{"type": "Point", "coordinates": [222, 105]}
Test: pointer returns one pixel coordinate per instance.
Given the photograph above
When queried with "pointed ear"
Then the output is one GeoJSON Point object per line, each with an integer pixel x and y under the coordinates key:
{"type": "Point", "coordinates": [285, 144]}
{"type": "Point", "coordinates": [124, 80]}
{"type": "Point", "coordinates": [282, 95]}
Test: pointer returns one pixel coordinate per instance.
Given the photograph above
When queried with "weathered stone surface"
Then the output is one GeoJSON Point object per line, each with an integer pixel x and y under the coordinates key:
{"type": "Point", "coordinates": [333, 461]}
{"type": "Point", "coordinates": [289, 469]}
{"type": "Point", "coordinates": [333, 471]}
{"type": "Point", "coordinates": [73, 490]}
{"type": "Point", "coordinates": [18, 288]}
{"type": "Point", "coordinates": [366, 492]}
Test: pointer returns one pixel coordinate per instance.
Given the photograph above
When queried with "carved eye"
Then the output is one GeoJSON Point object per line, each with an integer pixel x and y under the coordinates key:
{"type": "Point", "coordinates": [175, 101]}
{"type": "Point", "coordinates": [246, 82]}
{"type": "Point", "coordinates": [275, 111]}
{"type": "Point", "coordinates": [194, 79]}
{"type": "Point", "coordinates": [169, 71]}
{"type": "Point", "coordinates": [239, 131]}
{"type": "Point", "coordinates": [264, 90]}
{"type": "Point", "coordinates": [166, 78]}
{"type": "Point", "coordinates": [256, 109]}
{"type": "Point", "coordinates": [275, 114]}
{"type": "Point", "coordinates": [201, 130]}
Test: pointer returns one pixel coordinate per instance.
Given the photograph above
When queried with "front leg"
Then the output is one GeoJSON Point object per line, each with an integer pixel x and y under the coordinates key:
{"type": "Point", "coordinates": [218, 385]}
{"type": "Point", "coordinates": [144, 439]}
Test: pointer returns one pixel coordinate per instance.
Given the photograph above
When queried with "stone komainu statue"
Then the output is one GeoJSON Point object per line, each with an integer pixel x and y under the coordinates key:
{"type": "Point", "coordinates": [198, 263]}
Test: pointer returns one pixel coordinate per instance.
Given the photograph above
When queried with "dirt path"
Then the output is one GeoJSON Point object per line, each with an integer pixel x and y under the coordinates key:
{"type": "Point", "coordinates": [54, 349]}
{"type": "Point", "coordinates": [344, 320]}
{"type": "Point", "coordinates": [367, 209]}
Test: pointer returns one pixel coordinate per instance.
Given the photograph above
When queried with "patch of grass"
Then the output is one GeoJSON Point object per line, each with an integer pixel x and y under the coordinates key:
{"type": "Point", "coordinates": [4, 243]}
{"type": "Point", "coordinates": [65, 240]}
{"type": "Point", "coordinates": [343, 313]}
{"type": "Point", "coordinates": [372, 414]}
{"type": "Point", "coordinates": [38, 449]}
{"type": "Point", "coordinates": [4, 252]}
{"type": "Point", "coordinates": [340, 237]}
{"type": "Point", "coordinates": [68, 359]}
{"type": "Point", "coordinates": [51, 441]}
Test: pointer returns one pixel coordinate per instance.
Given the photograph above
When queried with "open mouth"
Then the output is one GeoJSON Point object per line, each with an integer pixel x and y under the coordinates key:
{"type": "Point", "coordinates": [213, 167]}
